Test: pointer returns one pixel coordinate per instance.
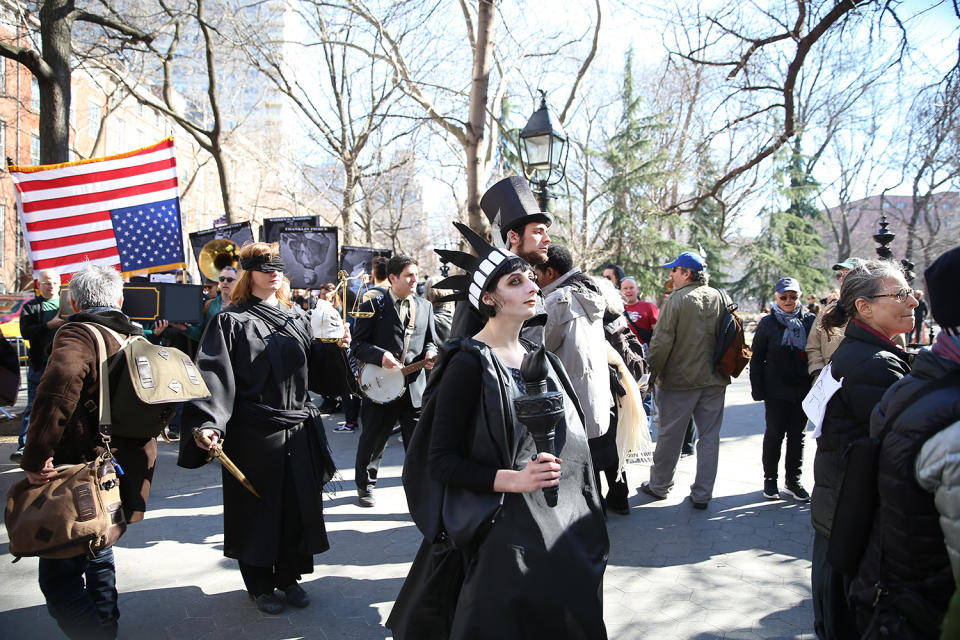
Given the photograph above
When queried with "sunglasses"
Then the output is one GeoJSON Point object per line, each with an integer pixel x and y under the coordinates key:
{"type": "Point", "coordinates": [226, 279]}
{"type": "Point", "coordinates": [787, 297]}
{"type": "Point", "coordinates": [900, 296]}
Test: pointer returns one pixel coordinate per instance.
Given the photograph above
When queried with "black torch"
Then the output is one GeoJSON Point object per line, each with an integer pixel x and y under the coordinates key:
{"type": "Point", "coordinates": [539, 410]}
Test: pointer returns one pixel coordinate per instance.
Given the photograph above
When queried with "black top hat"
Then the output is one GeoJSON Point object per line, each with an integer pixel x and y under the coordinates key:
{"type": "Point", "coordinates": [510, 204]}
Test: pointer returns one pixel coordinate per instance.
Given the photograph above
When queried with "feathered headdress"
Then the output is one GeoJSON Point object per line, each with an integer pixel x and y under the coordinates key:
{"type": "Point", "coordinates": [479, 268]}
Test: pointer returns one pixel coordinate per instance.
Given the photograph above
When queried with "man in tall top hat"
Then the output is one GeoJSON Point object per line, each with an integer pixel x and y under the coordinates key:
{"type": "Point", "coordinates": [517, 222]}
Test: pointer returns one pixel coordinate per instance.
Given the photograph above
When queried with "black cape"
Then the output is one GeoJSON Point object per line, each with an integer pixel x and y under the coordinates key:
{"type": "Point", "coordinates": [257, 376]}
{"type": "Point", "coordinates": [503, 565]}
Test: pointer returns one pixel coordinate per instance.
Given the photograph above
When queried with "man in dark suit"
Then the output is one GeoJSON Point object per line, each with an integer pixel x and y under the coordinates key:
{"type": "Point", "coordinates": [399, 333]}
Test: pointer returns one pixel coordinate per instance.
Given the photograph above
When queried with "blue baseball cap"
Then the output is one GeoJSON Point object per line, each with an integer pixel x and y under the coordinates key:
{"type": "Point", "coordinates": [688, 260]}
{"type": "Point", "coordinates": [787, 284]}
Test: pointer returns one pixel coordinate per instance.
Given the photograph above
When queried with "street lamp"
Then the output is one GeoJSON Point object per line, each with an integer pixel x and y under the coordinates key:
{"type": "Point", "coordinates": [543, 151]}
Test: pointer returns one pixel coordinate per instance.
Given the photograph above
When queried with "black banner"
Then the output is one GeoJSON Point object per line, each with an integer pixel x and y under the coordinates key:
{"type": "Point", "coordinates": [310, 254]}
{"type": "Point", "coordinates": [270, 232]}
{"type": "Point", "coordinates": [239, 233]}
{"type": "Point", "coordinates": [356, 260]}
{"type": "Point", "coordinates": [164, 300]}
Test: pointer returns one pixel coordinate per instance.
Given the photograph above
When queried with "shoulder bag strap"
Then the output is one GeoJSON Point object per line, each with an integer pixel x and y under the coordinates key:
{"type": "Point", "coordinates": [103, 411]}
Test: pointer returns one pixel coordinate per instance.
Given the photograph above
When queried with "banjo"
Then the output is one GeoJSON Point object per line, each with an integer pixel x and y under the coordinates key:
{"type": "Point", "coordinates": [381, 385]}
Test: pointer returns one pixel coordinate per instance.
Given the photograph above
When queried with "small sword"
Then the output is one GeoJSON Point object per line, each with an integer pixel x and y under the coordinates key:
{"type": "Point", "coordinates": [216, 451]}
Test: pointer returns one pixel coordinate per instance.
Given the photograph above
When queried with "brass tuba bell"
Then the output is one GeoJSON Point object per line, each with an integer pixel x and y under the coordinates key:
{"type": "Point", "coordinates": [215, 255]}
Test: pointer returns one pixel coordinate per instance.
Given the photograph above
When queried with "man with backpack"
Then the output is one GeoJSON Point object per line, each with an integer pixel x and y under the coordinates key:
{"type": "Point", "coordinates": [681, 361]}
{"type": "Point", "coordinates": [81, 592]}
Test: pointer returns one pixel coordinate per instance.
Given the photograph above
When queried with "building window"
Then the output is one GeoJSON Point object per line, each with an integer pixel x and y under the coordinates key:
{"type": "Point", "coordinates": [3, 143]}
{"type": "Point", "coordinates": [34, 150]}
{"type": "Point", "coordinates": [3, 76]}
{"type": "Point", "coordinates": [34, 94]}
{"type": "Point", "coordinates": [93, 119]}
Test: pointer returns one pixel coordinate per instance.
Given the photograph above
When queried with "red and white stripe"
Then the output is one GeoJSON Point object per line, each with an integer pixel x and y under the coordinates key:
{"type": "Point", "coordinates": [65, 210]}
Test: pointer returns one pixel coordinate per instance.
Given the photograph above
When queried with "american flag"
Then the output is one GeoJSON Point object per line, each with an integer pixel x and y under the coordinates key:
{"type": "Point", "coordinates": [121, 210]}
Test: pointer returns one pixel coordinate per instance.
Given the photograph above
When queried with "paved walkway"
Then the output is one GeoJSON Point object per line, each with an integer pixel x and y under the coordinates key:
{"type": "Point", "coordinates": [740, 569]}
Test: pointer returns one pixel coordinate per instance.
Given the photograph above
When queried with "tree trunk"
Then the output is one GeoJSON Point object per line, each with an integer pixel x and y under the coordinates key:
{"type": "Point", "coordinates": [475, 165]}
{"type": "Point", "coordinates": [351, 178]}
{"type": "Point", "coordinates": [56, 23]}
{"type": "Point", "coordinates": [223, 173]}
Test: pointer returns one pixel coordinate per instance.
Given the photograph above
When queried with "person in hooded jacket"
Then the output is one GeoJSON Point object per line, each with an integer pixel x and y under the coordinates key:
{"type": "Point", "coordinates": [905, 581]}
{"type": "Point", "coordinates": [875, 304]}
{"type": "Point", "coordinates": [778, 377]}
{"type": "Point", "coordinates": [574, 332]}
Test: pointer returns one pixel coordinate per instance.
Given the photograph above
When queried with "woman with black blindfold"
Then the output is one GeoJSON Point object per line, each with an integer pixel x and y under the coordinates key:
{"type": "Point", "coordinates": [255, 358]}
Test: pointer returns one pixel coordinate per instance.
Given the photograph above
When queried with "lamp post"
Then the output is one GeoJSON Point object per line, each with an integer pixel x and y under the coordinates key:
{"type": "Point", "coordinates": [543, 151]}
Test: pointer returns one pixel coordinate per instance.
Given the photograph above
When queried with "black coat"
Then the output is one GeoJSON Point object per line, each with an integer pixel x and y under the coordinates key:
{"type": "Point", "coordinates": [868, 365]}
{"type": "Point", "coordinates": [778, 372]}
{"type": "Point", "coordinates": [383, 332]}
{"type": "Point", "coordinates": [505, 565]}
{"type": "Point", "coordinates": [257, 378]}
{"type": "Point", "coordinates": [906, 553]}
{"type": "Point", "coordinates": [33, 328]}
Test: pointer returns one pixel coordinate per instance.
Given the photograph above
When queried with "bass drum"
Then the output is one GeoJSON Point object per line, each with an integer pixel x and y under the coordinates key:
{"type": "Point", "coordinates": [381, 385]}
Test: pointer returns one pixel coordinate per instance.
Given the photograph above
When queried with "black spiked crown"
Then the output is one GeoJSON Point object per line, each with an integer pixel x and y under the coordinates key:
{"type": "Point", "coordinates": [479, 268]}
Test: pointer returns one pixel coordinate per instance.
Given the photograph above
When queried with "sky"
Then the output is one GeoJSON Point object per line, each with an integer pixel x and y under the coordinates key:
{"type": "Point", "coordinates": [932, 34]}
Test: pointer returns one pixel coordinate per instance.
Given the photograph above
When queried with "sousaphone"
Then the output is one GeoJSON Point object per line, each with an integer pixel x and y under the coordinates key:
{"type": "Point", "coordinates": [215, 255]}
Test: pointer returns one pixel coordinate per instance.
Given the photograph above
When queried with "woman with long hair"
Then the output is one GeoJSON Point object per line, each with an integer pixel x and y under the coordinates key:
{"type": "Point", "coordinates": [876, 304]}
{"type": "Point", "coordinates": [497, 561]}
{"type": "Point", "coordinates": [255, 358]}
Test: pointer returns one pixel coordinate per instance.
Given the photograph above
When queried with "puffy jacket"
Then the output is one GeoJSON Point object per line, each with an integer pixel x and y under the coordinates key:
{"type": "Point", "coordinates": [681, 350]}
{"type": "Point", "coordinates": [778, 372]}
{"type": "Point", "coordinates": [906, 555]}
{"type": "Point", "coordinates": [938, 471]}
{"type": "Point", "coordinates": [868, 365]}
{"type": "Point", "coordinates": [574, 333]}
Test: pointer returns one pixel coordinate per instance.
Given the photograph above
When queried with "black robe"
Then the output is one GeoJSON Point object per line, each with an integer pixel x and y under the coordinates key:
{"type": "Point", "coordinates": [257, 376]}
{"type": "Point", "coordinates": [503, 565]}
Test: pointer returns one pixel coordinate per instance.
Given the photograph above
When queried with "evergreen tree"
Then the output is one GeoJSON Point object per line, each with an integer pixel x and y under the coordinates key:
{"type": "Point", "coordinates": [789, 244]}
{"type": "Point", "coordinates": [633, 235]}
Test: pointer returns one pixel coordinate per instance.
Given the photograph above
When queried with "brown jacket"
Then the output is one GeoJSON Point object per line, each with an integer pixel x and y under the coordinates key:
{"type": "Point", "coordinates": [63, 422]}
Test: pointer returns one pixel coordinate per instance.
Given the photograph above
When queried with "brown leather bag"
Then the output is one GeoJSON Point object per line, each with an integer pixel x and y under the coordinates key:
{"type": "Point", "coordinates": [78, 511]}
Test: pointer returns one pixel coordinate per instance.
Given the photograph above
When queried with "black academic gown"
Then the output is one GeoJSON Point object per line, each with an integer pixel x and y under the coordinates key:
{"type": "Point", "coordinates": [257, 378]}
{"type": "Point", "coordinates": [496, 565]}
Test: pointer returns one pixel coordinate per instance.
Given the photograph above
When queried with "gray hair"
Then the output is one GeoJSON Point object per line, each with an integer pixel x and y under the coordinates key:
{"type": "Point", "coordinates": [863, 281]}
{"type": "Point", "coordinates": [611, 295]}
{"type": "Point", "coordinates": [96, 285]}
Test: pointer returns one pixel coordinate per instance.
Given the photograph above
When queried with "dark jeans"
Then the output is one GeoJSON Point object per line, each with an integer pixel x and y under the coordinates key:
{"type": "Point", "coordinates": [832, 617]}
{"type": "Point", "coordinates": [33, 379]}
{"type": "Point", "coordinates": [783, 418]}
{"type": "Point", "coordinates": [81, 594]}
{"type": "Point", "coordinates": [376, 424]}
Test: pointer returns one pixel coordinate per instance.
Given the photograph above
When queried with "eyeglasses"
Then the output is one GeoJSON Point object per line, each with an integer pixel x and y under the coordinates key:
{"type": "Point", "coordinates": [900, 296]}
{"type": "Point", "coordinates": [226, 279]}
{"type": "Point", "coordinates": [787, 297]}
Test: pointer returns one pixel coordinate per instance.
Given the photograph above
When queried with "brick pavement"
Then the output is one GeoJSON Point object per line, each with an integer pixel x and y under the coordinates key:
{"type": "Point", "coordinates": [740, 569]}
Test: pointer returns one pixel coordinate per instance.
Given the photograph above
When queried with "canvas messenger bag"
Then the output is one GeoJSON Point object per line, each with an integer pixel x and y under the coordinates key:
{"type": "Point", "coordinates": [147, 382]}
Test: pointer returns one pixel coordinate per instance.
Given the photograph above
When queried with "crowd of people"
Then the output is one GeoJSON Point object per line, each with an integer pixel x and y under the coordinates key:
{"type": "Point", "coordinates": [514, 523]}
